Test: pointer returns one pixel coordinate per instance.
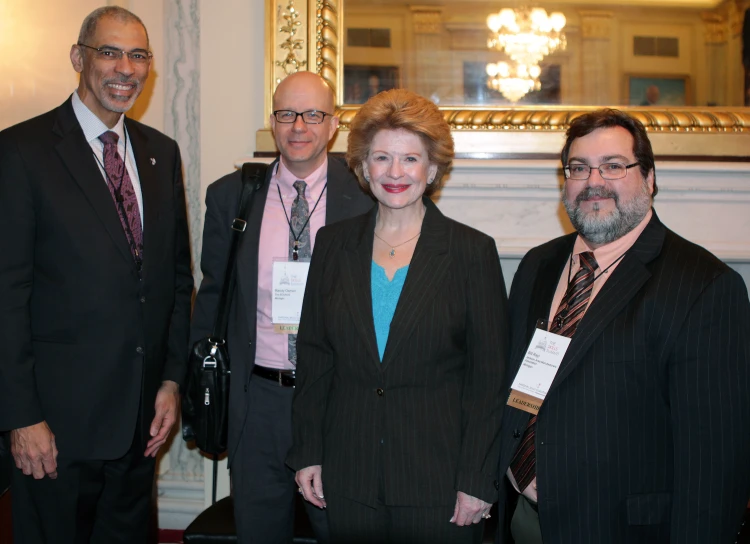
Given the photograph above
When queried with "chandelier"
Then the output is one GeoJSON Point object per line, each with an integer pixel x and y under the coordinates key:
{"type": "Point", "coordinates": [515, 81]}
{"type": "Point", "coordinates": [526, 35]}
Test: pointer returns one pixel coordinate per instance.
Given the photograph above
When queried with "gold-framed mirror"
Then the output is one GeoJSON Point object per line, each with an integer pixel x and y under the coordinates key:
{"type": "Point", "coordinates": [708, 120]}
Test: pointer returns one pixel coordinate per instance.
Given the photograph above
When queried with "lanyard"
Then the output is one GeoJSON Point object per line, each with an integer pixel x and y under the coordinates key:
{"type": "Point", "coordinates": [596, 277]}
{"type": "Point", "coordinates": [295, 249]}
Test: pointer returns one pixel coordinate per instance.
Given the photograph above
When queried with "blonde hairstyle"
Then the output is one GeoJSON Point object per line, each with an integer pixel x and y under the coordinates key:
{"type": "Point", "coordinates": [401, 109]}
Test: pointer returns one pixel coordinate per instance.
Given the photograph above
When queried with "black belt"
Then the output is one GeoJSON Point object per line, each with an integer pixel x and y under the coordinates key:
{"type": "Point", "coordinates": [284, 378]}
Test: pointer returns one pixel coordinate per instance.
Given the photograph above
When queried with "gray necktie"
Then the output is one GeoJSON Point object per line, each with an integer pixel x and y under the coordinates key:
{"type": "Point", "coordinates": [299, 249]}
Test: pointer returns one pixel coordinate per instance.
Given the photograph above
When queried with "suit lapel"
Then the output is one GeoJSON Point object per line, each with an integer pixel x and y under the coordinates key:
{"type": "Point", "coordinates": [428, 266]}
{"type": "Point", "coordinates": [356, 281]}
{"type": "Point", "coordinates": [149, 192]}
{"type": "Point", "coordinates": [546, 282]}
{"type": "Point", "coordinates": [78, 157]}
{"type": "Point", "coordinates": [617, 292]}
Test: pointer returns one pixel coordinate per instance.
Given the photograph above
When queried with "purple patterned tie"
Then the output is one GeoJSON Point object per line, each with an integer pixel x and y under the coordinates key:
{"type": "Point", "coordinates": [568, 316]}
{"type": "Point", "coordinates": [121, 188]}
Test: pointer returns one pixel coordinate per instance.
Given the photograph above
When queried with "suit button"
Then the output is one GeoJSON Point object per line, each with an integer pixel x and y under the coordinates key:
{"type": "Point", "coordinates": [497, 484]}
{"type": "Point", "coordinates": [139, 350]}
{"type": "Point", "coordinates": [143, 300]}
{"type": "Point", "coordinates": [380, 391]}
{"type": "Point", "coordinates": [245, 388]}
{"type": "Point", "coordinates": [516, 434]}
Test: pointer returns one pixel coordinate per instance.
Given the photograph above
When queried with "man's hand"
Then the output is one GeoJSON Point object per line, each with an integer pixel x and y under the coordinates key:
{"type": "Point", "coordinates": [310, 481]}
{"type": "Point", "coordinates": [469, 510]}
{"type": "Point", "coordinates": [34, 450]}
{"type": "Point", "coordinates": [167, 406]}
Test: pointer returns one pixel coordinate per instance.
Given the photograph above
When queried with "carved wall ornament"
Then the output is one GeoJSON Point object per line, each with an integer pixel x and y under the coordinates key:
{"type": "Point", "coordinates": [291, 63]}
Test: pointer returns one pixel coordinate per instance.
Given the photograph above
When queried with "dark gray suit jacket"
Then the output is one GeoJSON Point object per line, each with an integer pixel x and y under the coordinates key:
{"type": "Point", "coordinates": [85, 342]}
{"type": "Point", "coordinates": [344, 199]}
{"type": "Point", "coordinates": [644, 436]}
{"type": "Point", "coordinates": [435, 400]}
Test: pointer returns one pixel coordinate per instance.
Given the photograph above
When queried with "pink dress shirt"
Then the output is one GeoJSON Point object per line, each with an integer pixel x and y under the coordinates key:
{"type": "Point", "coordinates": [607, 258]}
{"type": "Point", "coordinates": [272, 348]}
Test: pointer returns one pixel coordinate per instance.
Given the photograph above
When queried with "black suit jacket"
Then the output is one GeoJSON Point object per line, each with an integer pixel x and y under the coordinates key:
{"type": "Point", "coordinates": [85, 342]}
{"type": "Point", "coordinates": [344, 199]}
{"type": "Point", "coordinates": [644, 436]}
{"type": "Point", "coordinates": [435, 400]}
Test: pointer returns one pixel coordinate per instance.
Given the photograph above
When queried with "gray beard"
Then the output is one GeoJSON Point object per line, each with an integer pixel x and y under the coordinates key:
{"type": "Point", "coordinates": [602, 229]}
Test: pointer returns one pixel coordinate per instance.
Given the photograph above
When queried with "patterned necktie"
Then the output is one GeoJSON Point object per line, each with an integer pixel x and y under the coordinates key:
{"type": "Point", "coordinates": [568, 316]}
{"type": "Point", "coordinates": [121, 189]}
{"type": "Point", "coordinates": [299, 249]}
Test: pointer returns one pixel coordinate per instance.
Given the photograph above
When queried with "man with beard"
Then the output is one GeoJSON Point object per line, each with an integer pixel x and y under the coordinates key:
{"type": "Point", "coordinates": [642, 433]}
{"type": "Point", "coordinates": [95, 287]}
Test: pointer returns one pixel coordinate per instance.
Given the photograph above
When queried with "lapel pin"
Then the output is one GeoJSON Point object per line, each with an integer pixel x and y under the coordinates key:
{"type": "Point", "coordinates": [153, 161]}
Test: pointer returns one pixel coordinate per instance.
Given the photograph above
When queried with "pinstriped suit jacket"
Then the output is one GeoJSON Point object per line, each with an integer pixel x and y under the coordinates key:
{"type": "Point", "coordinates": [645, 433]}
{"type": "Point", "coordinates": [435, 401]}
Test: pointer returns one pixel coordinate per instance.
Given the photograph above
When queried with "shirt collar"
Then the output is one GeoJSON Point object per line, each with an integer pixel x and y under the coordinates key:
{"type": "Point", "coordinates": [92, 126]}
{"type": "Point", "coordinates": [609, 253]}
{"type": "Point", "coordinates": [316, 181]}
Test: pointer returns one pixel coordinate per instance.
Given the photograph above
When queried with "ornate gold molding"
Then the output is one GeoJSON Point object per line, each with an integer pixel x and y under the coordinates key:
{"type": "Point", "coordinates": [291, 63]}
{"type": "Point", "coordinates": [683, 120]}
{"type": "Point", "coordinates": [327, 60]}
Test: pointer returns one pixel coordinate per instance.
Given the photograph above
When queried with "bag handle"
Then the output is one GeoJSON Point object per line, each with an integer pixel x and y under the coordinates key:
{"type": "Point", "coordinates": [253, 178]}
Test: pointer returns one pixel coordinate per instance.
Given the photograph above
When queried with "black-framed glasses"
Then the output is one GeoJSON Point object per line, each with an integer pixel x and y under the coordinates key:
{"type": "Point", "coordinates": [136, 56]}
{"type": "Point", "coordinates": [608, 170]}
{"type": "Point", "coordinates": [310, 117]}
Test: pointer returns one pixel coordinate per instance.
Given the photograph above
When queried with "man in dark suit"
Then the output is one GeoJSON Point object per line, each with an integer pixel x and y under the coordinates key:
{"type": "Point", "coordinates": [95, 287]}
{"type": "Point", "coordinates": [643, 434]}
{"type": "Point", "coordinates": [304, 179]}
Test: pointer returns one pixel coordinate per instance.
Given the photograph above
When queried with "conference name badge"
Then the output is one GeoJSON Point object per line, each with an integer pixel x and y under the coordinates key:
{"type": "Point", "coordinates": [289, 280]}
{"type": "Point", "coordinates": [538, 369]}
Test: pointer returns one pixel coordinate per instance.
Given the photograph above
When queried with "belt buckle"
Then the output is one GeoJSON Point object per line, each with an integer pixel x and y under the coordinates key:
{"type": "Point", "coordinates": [280, 384]}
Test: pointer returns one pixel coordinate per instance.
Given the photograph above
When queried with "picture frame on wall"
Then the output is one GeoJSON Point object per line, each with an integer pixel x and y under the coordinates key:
{"type": "Point", "coordinates": [363, 82]}
{"type": "Point", "coordinates": [658, 90]}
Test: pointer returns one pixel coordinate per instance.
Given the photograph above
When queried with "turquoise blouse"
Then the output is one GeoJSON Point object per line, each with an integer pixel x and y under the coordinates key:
{"type": "Point", "coordinates": [385, 295]}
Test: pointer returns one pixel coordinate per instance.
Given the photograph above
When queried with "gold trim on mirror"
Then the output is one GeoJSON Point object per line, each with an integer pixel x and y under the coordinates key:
{"type": "Point", "coordinates": [328, 19]}
{"type": "Point", "coordinates": [558, 118]}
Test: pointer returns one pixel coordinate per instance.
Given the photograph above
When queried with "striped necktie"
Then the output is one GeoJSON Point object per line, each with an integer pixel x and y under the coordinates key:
{"type": "Point", "coordinates": [568, 316]}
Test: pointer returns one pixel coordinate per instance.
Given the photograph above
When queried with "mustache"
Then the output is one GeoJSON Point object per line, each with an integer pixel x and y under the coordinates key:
{"type": "Point", "coordinates": [591, 192]}
{"type": "Point", "coordinates": [123, 80]}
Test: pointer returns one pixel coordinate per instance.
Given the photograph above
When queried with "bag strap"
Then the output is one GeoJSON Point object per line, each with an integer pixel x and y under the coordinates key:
{"type": "Point", "coordinates": [253, 178]}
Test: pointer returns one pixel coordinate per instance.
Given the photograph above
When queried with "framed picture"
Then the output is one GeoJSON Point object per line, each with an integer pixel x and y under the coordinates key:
{"type": "Point", "coordinates": [648, 90]}
{"type": "Point", "coordinates": [363, 82]}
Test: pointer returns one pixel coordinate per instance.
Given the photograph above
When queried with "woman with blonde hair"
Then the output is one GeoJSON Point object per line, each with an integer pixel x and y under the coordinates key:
{"type": "Point", "coordinates": [401, 347]}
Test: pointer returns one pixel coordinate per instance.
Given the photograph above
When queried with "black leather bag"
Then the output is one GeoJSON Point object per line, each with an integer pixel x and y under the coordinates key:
{"type": "Point", "coordinates": [205, 403]}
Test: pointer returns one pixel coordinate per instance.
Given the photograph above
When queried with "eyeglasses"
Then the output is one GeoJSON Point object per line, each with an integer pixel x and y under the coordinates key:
{"type": "Point", "coordinates": [310, 117]}
{"type": "Point", "coordinates": [137, 56]}
{"type": "Point", "coordinates": [608, 171]}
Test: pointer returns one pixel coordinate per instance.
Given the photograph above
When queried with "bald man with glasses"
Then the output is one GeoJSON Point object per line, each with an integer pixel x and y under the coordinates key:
{"type": "Point", "coordinates": [304, 189]}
